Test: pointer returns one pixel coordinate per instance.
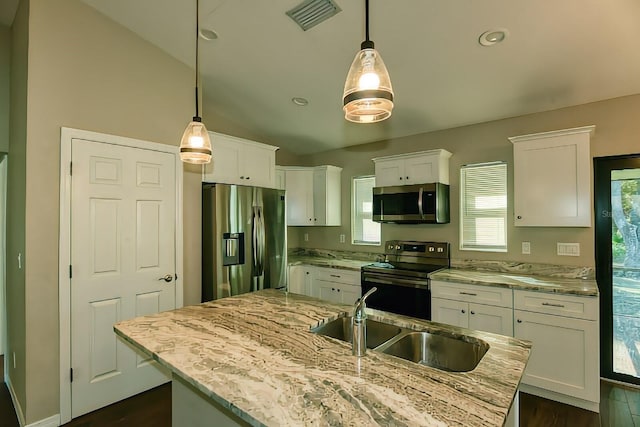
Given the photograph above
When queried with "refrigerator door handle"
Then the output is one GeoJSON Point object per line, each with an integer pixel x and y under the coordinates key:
{"type": "Point", "coordinates": [258, 241]}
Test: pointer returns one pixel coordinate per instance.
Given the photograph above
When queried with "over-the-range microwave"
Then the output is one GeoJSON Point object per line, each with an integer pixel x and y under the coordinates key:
{"type": "Point", "coordinates": [412, 204]}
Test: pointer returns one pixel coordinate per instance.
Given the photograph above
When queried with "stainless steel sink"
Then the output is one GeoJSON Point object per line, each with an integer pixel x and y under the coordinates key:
{"type": "Point", "coordinates": [341, 328]}
{"type": "Point", "coordinates": [438, 351]}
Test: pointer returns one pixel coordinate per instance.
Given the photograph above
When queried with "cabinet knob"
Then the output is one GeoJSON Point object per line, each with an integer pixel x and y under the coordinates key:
{"type": "Point", "coordinates": [473, 312]}
{"type": "Point", "coordinates": [248, 177]}
{"type": "Point", "coordinates": [519, 321]}
{"type": "Point", "coordinates": [463, 311]}
{"type": "Point", "coordinates": [315, 219]}
{"type": "Point", "coordinates": [242, 177]}
{"type": "Point", "coordinates": [519, 217]}
{"type": "Point", "coordinates": [400, 178]}
{"type": "Point", "coordinates": [338, 290]}
{"type": "Point", "coordinates": [307, 272]}
{"type": "Point", "coordinates": [407, 177]}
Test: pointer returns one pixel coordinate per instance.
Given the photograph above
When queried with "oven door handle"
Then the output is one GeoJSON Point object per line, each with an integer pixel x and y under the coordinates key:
{"type": "Point", "coordinates": [397, 282]}
{"type": "Point", "coordinates": [420, 211]}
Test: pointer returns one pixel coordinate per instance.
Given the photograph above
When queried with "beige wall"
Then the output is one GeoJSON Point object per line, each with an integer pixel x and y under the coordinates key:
{"type": "Point", "coordinates": [89, 73]}
{"type": "Point", "coordinates": [5, 72]}
{"type": "Point", "coordinates": [617, 130]}
{"type": "Point", "coordinates": [16, 182]}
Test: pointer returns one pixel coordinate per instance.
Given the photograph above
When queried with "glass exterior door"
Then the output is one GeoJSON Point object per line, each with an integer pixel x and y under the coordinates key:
{"type": "Point", "coordinates": [617, 184]}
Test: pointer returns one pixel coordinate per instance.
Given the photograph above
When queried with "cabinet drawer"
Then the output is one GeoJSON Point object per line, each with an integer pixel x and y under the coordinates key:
{"type": "Point", "coordinates": [560, 305]}
{"type": "Point", "coordinates": [502, 297]}
{"type": "Point", "coordinates": [338, 275]}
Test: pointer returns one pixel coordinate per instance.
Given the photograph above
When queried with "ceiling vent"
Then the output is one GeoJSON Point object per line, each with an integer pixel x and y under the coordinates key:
{"type": "Point", "coordinates": [310, 13]}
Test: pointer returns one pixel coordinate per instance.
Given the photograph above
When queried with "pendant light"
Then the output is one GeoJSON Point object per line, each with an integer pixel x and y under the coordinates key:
{"type": "Point", "coordinates": [195, 145]}
{"type": "Point", "coordinates": [368, 95]}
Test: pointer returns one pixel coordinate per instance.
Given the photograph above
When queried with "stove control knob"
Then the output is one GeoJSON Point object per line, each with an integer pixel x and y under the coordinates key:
{"type": "Point", "coordinates": [440, 250]}
{"type": "Point", "coordinates": [432, 249]}
{"type": "Point", "coordinates": [398, 247]}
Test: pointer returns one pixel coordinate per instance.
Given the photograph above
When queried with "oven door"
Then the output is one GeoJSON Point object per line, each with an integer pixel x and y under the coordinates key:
{"type": "Point", "coordinates": [409, 297]}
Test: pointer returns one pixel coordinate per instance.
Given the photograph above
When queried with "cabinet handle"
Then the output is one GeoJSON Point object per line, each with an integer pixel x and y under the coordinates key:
{"type": "Point", "coordinates": [468, 293]}
{"type": "Point", "coordinates": [334, 275]}
{"type": "Point", "coordinates": [519, 321]}
{"type": "Point", "coordinates": [242, 177]}
{"type": "Point", "coordinates": [553, 305]}
{"type": "Point", "coordinates": [519, 217]}
{"type": "Point", "coordinates": [333, 289]}
{"type": "Point", "coordinates": [473, 312]}
{"type": "Point", "coordinates": [463, 311]}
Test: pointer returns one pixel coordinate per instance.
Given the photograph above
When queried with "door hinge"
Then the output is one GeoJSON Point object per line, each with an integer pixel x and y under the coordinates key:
{"type": "Point", "coordinates": [71, 168]}
{"type": "Point", "coordinates": [71, 374]}
{"type": "Point", "coordinates": [70, 272]}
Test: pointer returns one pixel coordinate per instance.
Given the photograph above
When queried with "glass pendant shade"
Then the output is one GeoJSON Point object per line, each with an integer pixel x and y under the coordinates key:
{"type": "Point", "coordinates": [195, 145]}
{"type": "Point", "coordinates": [368, 95]}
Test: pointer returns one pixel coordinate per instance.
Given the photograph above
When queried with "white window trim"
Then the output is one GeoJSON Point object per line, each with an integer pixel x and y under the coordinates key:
{"type": "Point", "coordinates": [352, 214]}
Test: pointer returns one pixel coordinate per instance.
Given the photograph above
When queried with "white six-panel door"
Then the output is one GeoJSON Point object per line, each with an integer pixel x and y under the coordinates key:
{"type": "Point", "coordinates": [123, 242]}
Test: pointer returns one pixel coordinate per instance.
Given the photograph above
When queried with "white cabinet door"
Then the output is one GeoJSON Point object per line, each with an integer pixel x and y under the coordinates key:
{"type": "Point", "coordinates": [326, 195]}
{"type": "Point", "coordinates": [552, 182]}
{"type": "Point", "coordinates": [389, 172]}
{"type": "Point", "coordinates": [449, 312]}
{"type": "Point", "coordinates": [327, 291]}
{"type": "Point", "coordinates": [281, 178]}
{"type": "Point", "coordinates": [257, 167]}
{"type": "Point", "coordinates": [296, 282]}
{"type": "Point", "coordinates": [299, 197]}
{"type": "Point", "coordinates": [564, 356]}
{"type": "Point", "coordinates": [487, 318]}
{"type": "Point", "coordinates": [421, 169]}
{"type": "Point", "coordinates": [224, 161]}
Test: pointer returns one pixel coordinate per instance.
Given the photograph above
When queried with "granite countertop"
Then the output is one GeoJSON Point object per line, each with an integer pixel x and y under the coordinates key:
{"type": "Point", "coordinates": [539, 283]}
{"type": "Point", "coordinates": [254, 354]}
{"type": "Point", "coordinates": [342, 263]}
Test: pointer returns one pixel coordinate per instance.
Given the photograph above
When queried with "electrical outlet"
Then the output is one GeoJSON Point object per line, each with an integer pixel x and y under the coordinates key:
{"type": "Point", "coordinates": [569, 249]}
{"type": "Point", "coordinates": [526, 248]}
{"type": "Point", "coordinates": [342, 238]}
{"type": "Point", "coordinates": [306, 237]}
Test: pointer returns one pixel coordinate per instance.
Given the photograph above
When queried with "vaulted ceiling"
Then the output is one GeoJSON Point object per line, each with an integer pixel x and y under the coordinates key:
{"type": "Point", "coordinates": [557, 54]}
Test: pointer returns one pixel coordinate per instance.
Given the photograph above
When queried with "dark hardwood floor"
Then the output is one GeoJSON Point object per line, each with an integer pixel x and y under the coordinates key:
{"type": "Point", "coordinates": [619, 407]}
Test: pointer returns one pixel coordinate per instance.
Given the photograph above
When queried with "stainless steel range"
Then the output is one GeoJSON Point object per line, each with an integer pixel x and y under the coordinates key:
{"type": "Point", "coordinates": [402, 279]}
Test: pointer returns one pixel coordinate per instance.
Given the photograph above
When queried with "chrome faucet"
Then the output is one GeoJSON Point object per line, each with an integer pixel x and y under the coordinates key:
{"type": "Point", "coordinates": [359, 326]}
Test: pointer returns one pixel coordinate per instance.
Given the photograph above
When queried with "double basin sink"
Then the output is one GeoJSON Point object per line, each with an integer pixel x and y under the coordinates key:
{"type": "Point", "coordinates": [434, 349]}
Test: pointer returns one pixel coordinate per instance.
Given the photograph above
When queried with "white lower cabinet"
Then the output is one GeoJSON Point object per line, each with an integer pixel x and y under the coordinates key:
{"type": "Point", "coordinates": [564, 357]}
{"type": "Point", "coordinates": [300, 279]}
{"type": "Point", "coordinates": [457, 304]}
{"type": "Point", "coordinates": [335, 285]}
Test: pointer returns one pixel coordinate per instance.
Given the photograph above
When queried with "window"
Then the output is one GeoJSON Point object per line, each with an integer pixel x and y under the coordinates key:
{"type": "Point", "coordinates": [483, 207]}
{"type": "Point", "coordinates": [363, 230]}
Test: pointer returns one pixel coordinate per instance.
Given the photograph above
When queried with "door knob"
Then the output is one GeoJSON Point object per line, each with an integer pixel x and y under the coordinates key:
{"type": "Point", "coordinates": [168, 278]}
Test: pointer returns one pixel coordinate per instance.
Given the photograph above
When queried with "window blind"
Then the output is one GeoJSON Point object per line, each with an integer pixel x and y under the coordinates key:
{"type": "Point", "coordinates": [483, 207]}
{"type": "Point", "coordinates": [363, 230]}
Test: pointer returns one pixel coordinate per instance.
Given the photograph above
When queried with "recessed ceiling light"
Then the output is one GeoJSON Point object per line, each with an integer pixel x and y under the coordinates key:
{"type": "Point", "coordinates": [300, 102]}
{"type": "Point", "coordinates": [494, 36]}
{"type": "Point", "coordinates": [208, 34]}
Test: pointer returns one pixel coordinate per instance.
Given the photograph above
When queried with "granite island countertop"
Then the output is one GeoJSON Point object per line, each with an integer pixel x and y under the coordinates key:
{"type": "Point", "coordinates": [254, 354]}
{"type": "Point", "coordinates": [525, 282]}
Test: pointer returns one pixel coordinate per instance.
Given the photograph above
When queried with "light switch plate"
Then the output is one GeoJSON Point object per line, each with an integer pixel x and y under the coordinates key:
{"type": "Point", "coordinates": [306, 237]}
{"type": "Point", "coordinates": [342, 238]}
{"type": "Point", "coordinates": [526, 248]}
{"type": "Point", "coordinates": [569, 249]}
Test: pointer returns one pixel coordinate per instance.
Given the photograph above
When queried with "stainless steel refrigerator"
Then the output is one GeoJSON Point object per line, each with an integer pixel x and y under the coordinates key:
{"type": "Point", "coordinates": [244, 244]}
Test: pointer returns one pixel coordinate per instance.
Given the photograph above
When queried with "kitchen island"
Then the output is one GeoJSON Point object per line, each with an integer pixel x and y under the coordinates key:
{"type": "Point", "coordinates": [254, 358]}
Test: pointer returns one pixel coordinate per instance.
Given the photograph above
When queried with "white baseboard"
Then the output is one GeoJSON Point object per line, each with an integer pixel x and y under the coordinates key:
{"type": "Point", "coordinates": [52, 421]}
{"type": "Point", "coordinates": [14, 399]}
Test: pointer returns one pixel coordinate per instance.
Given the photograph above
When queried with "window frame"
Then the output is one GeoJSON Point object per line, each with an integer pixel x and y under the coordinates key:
{"type": "Point", "coordinates": [354, 209]}
{"type": "Point", "coordinates": [502, 211]}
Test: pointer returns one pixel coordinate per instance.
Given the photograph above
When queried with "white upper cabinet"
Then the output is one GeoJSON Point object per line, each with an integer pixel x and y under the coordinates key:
{"type": "Point", "coordinates": [552, 178]}
{"type": "Point", "coordinates": [413, 168]}
{"type": "Point", "coordinates": [240, 161]}
{"type": "Point", "coordinates": [313, 195]}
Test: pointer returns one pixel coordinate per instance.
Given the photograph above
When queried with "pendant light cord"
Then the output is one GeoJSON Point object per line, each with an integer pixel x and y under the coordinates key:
{"type": "Point", "coordinates": [197, 42]}
{"type": "Point", "coordinates": [366, 22]}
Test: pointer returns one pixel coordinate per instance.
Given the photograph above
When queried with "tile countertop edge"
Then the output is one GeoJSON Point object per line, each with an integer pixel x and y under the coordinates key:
{"type": "Point", "coordinates": [577, 287]}
{"type": "Point", "coordinates": [281, 327]}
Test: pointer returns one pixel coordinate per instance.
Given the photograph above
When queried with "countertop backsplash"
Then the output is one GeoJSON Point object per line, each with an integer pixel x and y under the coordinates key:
{"type": "Point", "coordinates": [513, 267]}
